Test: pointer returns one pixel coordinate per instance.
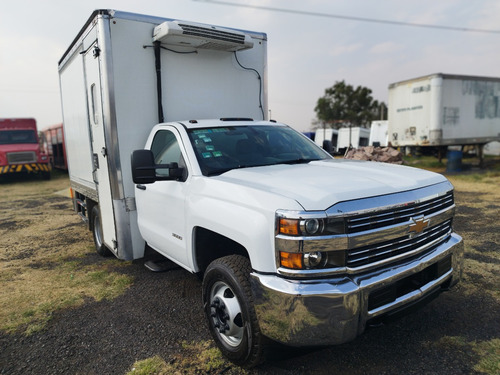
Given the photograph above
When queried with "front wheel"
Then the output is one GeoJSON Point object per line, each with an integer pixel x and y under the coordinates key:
{"type": "Point", "coordinates": [228, 305]}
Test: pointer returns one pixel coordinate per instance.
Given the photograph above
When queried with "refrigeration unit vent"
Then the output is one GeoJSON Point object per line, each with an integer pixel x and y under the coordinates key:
{"type": "Point", "coordinates": [201, 36]}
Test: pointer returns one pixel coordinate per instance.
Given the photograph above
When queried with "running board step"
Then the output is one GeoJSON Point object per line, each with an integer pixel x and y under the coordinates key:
{"type": "Point", "coordinates": [160, 265]}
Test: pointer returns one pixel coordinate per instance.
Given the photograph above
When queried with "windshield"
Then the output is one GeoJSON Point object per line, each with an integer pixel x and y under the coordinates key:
{"type": "Point", "coordinates": [9, 137]}
{"type": "Point", "coordinates": [221, 149]}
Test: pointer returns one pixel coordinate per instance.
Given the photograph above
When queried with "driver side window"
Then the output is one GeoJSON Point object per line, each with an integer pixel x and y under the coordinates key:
{"type": "Point", "coordinates": [166, 150]}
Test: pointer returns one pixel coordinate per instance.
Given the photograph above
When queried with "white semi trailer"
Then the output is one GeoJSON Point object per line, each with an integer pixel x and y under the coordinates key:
{"type": "Point", "coordinates": [443, 110]}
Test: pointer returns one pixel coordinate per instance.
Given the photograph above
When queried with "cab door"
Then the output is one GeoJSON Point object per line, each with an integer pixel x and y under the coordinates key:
{"type": "Point", "coordinates": [161, 206]}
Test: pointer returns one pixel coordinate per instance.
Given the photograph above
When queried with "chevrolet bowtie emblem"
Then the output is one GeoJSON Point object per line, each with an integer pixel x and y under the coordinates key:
{"type": "Point", "coordinates": [418, 226]}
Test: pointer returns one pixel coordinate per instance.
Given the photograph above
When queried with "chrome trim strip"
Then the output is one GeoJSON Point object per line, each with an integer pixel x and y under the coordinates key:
{"type": "Point", "coordinates": [124, 244]}
{"type": "Point", "coordinates": [109, 108]}
{"type": "Point", "coordinates": [389, 202]}
{"type": "Point", "coordinates": [300, 214]}
{"type": "Point", "coordinates": [309, 244]}
{"type": "Point", "coordinates": [410, 297]}
{"type": "Point", "coordinates": [314, 273]}
{"type": "Point", "coordinates": [303, 274]}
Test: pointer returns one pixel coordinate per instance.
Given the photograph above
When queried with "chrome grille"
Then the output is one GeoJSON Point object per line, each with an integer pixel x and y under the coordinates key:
{"type": "Point", "coordinates": [381, 219]}
{"type": "Point", "coordinates": [377, 231]}
{"type": "Point", "coordinates": [21, 157]}
{"type": "Point", "coordinates": [406, 245]}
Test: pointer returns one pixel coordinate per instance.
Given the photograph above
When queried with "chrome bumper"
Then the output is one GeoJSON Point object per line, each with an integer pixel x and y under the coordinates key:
{"type": "Point", "coordinates": [336, 310]}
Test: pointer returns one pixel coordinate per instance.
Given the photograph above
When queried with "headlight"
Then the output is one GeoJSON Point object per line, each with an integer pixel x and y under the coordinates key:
{"type": "Point", "coordinates": [311, 227]}
{"type": "Point", "coordinates": [310, 240]}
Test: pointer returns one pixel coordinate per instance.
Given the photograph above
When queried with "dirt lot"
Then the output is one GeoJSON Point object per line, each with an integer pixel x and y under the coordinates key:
{"type": "Point", "coordinates": [65, 310]}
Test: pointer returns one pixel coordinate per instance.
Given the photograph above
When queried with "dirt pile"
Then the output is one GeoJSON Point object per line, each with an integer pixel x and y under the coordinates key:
{"type": "Point", "coordinates": [371, 153]}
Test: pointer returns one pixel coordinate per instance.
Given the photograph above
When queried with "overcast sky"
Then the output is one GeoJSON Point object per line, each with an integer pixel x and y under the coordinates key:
{"type": "Point", "coordinates": [306, 53]}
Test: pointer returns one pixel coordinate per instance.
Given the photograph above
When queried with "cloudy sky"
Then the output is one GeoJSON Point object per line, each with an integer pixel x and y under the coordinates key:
{"type": "Point", "coordinates": [309, 49]}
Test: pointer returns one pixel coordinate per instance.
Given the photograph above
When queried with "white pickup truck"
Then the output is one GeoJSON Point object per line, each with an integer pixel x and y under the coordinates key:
{"type": "Point", "coordinates": [292, 245]}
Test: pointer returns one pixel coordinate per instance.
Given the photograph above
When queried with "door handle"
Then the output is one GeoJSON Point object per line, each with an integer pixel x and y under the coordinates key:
{"type": "Point", "coordinates": [142, 187]}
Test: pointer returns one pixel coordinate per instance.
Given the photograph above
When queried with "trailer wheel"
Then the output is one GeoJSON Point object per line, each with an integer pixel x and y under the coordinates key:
{"type": "Point", "coordinates": [97, 232]}
{"type": "Point", "coordinates": [228, 306]}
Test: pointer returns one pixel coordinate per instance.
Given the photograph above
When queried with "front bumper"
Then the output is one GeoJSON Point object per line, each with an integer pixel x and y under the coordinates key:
{"type": "Point", "coordinates": [23, 168]}
{"type": "Point", "coordinates": [336, 310]}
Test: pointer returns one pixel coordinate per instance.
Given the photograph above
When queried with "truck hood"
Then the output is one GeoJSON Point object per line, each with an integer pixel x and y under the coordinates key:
{"type": "Point", "coordinates": [320, 184]}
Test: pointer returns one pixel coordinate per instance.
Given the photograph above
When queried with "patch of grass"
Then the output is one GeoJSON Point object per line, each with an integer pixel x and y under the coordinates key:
{"type": "Point", "coordinates": [209, 357]}
{"type": "Point", "coordinates": [491, 166]}
{"type": "Point", "coordinates": [489, 351]}
{"type": "Point", "coordinates": [32, 297]}
{"type": "Point", "coordinates": [44, 266]}
{"type": "Point", "coordinates": [155, 365]}
{"type": "Point", "coordinates": [196, 358]}
{"type": "Point", "coordinates": [28, 188]}
{"type": "Point", "coordinates": [424, 162]}
{"type": "Point", "coordinates": [451, 342]}
{"type": "Point", "coordinates": [477, 203]}
{"type": "Point", "coordinates": [489, 177]}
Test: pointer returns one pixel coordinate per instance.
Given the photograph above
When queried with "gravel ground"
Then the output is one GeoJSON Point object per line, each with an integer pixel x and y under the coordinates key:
{"type": "Point", "coordinates": [160, 311]}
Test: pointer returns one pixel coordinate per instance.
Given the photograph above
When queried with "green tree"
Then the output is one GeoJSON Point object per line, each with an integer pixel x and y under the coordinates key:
{"type": "Point", "coordinates": [343, 104]}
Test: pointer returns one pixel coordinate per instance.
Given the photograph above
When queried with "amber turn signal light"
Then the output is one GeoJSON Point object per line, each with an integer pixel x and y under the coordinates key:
{"type": "Point", "coordinates": [291, 260]}
{"type": "Point", "coordinates": [289, 226]}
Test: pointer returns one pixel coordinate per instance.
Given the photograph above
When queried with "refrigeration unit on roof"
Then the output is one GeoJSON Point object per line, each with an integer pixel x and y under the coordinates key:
{"type": "Point", "coordinates": [187, 34]}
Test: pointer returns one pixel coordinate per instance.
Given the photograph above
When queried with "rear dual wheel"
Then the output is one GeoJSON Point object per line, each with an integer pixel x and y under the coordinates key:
{"type": "Point", "coordinates": [95, 217]}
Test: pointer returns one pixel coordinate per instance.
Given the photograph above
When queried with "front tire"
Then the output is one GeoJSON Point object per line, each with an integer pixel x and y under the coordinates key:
{"type": "Point", "coordinates": [100, 247]}
{"type": "Point", "coordinates": [228, 306]}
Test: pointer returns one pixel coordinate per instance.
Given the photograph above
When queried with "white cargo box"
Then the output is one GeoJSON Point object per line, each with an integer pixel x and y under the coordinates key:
{"type": "Point", "coordinates": [126, 72]}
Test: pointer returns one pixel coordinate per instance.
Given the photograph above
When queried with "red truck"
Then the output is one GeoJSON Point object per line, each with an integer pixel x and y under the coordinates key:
{"type": "Point", "coordinates": [54, 146]}
{"type": "Point", "coordinates": [20, 149]}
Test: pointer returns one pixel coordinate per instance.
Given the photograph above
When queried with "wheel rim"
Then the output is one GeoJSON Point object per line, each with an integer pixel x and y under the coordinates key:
{"type": "Point", "coordinates": [97, 231]}
{"type": "Point", "coordinates": [225, 312]}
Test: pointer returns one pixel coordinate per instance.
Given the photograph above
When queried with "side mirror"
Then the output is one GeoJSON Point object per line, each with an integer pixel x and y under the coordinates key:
{"type": "Point", "coordinates": [144, 169]}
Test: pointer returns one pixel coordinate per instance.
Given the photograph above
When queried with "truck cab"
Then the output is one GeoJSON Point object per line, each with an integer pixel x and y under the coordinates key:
{"type": "Point", "coordinates": [339, 243]}
{"type": "Point", "coordinates": [20, 149]}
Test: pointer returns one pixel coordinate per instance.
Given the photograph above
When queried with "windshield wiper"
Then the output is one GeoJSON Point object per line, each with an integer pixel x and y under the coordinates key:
{"type": "Point", "coordinates": [218, 172]}
{"type": "Point", "coordinates": [298, 161]}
